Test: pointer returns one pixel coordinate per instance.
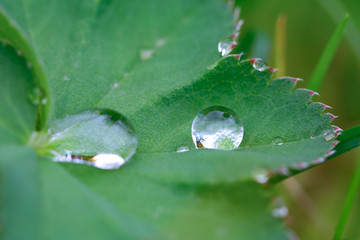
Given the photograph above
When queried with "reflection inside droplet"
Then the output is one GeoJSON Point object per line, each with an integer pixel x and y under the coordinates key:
{"type": "Point", "coordinates": [226, 45]}
{"type": "Point", "coordinates": [278, 141]}
{"type": "Point", "coordinates": [217, 128]}
{"type": "Point", "coordinates": [100, 138]}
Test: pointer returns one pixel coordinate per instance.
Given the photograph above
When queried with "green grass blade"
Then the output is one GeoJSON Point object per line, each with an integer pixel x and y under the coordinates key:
{"type": "Point", "coordinates": [323, 64]}
{"type": "Point", "coordinates": [349, 139]}
{"type": "Point", "coordinates": [349, 202]}
{"type": "Point", "coordinates": [280, 46]}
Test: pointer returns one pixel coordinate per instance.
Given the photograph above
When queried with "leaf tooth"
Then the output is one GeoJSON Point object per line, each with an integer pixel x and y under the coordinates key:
{"type": "Point", "coordinates": [233, 45]}
{"type": "Point", "coordinates": [236, 13]}
{"type": "Point", "coordinates": [331, 152]}
{"type": "Point", "coordinates": [253, 60]}
{"type": "Point", "coordinates": [325, 106]}
{"type": "Point", "coordinates": [271, 70]}
{"type": "Point", "coordinates": [235, 35]}
{"type": "Point", "coordinates": [295, 80]}
{"type": "Point", "coordinates": [337, 129]}
{"type": "Point", "coordinates": [312, 93]}
{"type": "Point", "coordinates": [284, 171]}
{"type": "Point", "coordinates": [332, 116]}
{"type": "Point", "coordinates": [301, 165]}
{"type": "Point", "coordinates": [239, 24]}
{"type": "Point", "coordinates": [319, 160]}
{"type": "Point", "coordinates": [335, 143]}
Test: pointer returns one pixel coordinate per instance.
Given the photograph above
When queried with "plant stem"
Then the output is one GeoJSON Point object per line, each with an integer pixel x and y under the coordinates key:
{"type": "Point", "coordinates": [280, 45]}
{"type": "Point", "coordinates": [349, 202]}
{"type": "Point", "coordinates": [323, 64]}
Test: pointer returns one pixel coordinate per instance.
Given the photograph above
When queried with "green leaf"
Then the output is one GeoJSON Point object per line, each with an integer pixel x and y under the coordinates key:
{"type": "Point", "coordinates": [17, 113]}
{"type": "Point", "coordinates": [20, 198]}
{"type": "Point", "coordinates": [182, 211]}
{"type": "Point", "coordinates": [149, 61]}
{"type": "Point", "coordinates": [72, 209]}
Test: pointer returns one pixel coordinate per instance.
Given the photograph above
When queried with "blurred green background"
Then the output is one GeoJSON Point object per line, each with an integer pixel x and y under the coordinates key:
{"type": "Point", "coordinates": [314, 198]}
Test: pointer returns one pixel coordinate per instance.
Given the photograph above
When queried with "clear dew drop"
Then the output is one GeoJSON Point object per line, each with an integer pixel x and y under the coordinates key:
{"type": "Point", "coordinates": [146, 54]}
{"type": "Point", "coordinates": [102, 138]}
{"type": "Point", "coordinates": [259, 65]}
{"type": "Point", "coordinates": [279, 209]}
{"type": "Point", "coordinates": [261, 176]}
{"type": "Point", "coordinates": [280, 212]}
{"type": "Point", "coordinates": [36, 96]}
{"type": "Point", "coordinates": [226, 45]}
{"type": "Point", "coordinates": [277, 141]}
{"type": "Point", "coordinates": [217, 128]}
{"type": "Point", "coordinates": [329, 134]}
{"type": "Point", "coordinates": [182, 149]}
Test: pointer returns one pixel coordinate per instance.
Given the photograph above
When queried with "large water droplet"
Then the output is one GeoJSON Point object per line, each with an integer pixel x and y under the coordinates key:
{"type": "Point", "coordinates": [278, 141]}
{"type": "Point", "coordinates": [259, 65]}
{"type": "Point", "coordinates": [226, 45]}
{"type": "Point", "coordinates": [100, 138]}
{"type": "Point", "coordinates": [217, 128]}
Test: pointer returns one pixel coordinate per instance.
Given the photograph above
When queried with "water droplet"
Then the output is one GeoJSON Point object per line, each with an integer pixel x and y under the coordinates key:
{"type": "Point", "coordinates": [226, 45]}
{"type": "Point", "coordinates": [43, 101]}
{"type": "Point", "coordinates": [182, 149]}
{"type": "Point", "coordinates": [278, 141]}
{"type": "Point", "coordinates": [329, 134]}
{"type": "Point", "coordinates": [36, 96]}
{"type": "Point", "coordinates": [146, 54]}
{"type": "Point", "coordinates": [160, 42]}
{"type": "Point", "coordinates": [261, 176]}
{"type": "Point", "coordinates": [279, 210]}
{"type": "Point", "coordinates": [99, 138]}
{"type": "Point", "coordinates": [217, 128]}
{"type": "Point", "coordinates": [66, 78]}
{"type": "Point", "coordinates": [259, 64]}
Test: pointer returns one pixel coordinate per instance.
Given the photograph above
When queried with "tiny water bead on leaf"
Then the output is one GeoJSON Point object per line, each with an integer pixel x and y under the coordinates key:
{"type": "Point", "coordinates": [226, 45]}
{"type": "Point", "coordinates": [217, 128]}
{"type": "Point", "coordinates": [100, 138]}
{"type": "Point", "coordinates": [258, 64]}
{"type": "Point", "coordinates": [278, 141]}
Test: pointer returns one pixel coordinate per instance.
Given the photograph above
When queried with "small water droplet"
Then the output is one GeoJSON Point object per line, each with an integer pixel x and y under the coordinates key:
{"type": "Point", "coordinates": [115, 85]}
{"type": "Point", "coordinates": [146, 54]}
{"type": "Point", "coordinates": [160, 42]}
{"type": "Point", "coordinates": [259, 65]}
{"type": "Point", "coordinates": [36, 96]}
{"type": "Point", "coordinates": [43, 101]}
{"type": "Point", "coordinates": [217, 128]}
{"type": "Point", "coordinates": [278, 141]}
{"type": "Point", "coordinates": [101, 138]}
{"type": "Point", "coordinates": [226, 45]}
{"type": "Point", "coordinates": [66, 78]}
{"type": "Point", "coordinates": [182, 149]}
{"type": "Point", "coordinates": [329, 135]}
{"type": "Point", "coordinates": [261, 176]}
{"type": "Point", "coordinates": [279, 208]}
